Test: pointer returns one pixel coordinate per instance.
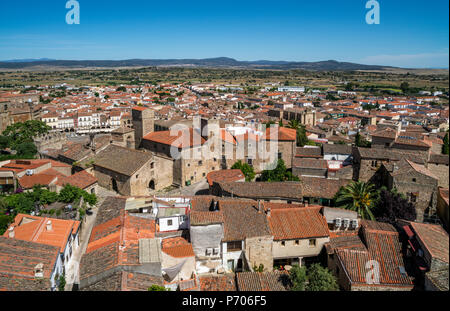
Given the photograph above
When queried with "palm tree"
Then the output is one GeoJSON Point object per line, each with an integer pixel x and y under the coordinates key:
{"type": "Point", "coordinates": [301, 132]}
{"type": "Point", "coordinates": [294, 124]}
{"type": "Point", "coordinates": [359, 197]}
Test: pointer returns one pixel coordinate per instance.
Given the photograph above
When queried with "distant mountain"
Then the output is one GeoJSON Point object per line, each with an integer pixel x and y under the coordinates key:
{"type": "Point", "coordinates": [27, 60]}
{"type": "Point", "coordinates": [219, 62]}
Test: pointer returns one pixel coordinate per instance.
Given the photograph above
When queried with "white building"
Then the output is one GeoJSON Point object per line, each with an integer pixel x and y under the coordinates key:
{"type": "Point", "coordinates": [291, 89]}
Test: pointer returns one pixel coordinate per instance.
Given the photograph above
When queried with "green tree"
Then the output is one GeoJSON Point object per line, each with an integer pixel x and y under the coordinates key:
{"type": "Point", "coordinates": [246, 169]}
{"type": "Point", "coordinates": [61, 283]}
{"type": "Point", "coordinates": [445, 148]}
{"type": "Point", "coordinates": [321, 279]}
{"type": "Point", "coordinates": [404, 87]}
{"type": "Point", "coordinates": [302, 140]}
{"type": "Point", "coordinates": [279, 173]}
{"type": "Point", "coordinates": [298, 278]}
{"type": "Point", "coordinates": [358, 196]}
{"type": "Point", "coordinates": [314, 278]}
{"type": "Point", "coordinates": [361, 142]}
{"type": "Point", "coordinates": [26, 150]}
{"type": "Point", "coordinates": [157, 288]}
{"type": "Point", "coordinates": [4, 142]}
{"type": "Point", "coordinates": [22, 132]}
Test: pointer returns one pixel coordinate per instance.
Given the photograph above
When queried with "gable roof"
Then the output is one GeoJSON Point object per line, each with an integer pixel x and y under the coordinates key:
{"type": "Point", "coordinates": [17, 262]}
{"type": "Point", "coordinates": [262, 281]}
{"type": "Point", "coordinates": [256, 190]}
{"type": "Point", "coordinates": [122, 160]}
{"type": "Point", "coordinates": [303, 152]}
{"type": "Point", "coordinates": [434, 238]}
{"type": "Point", "coordinates": [214, 282]}
{"type": "Point", "coordinates": [115, 243]}
{"type": "Point", "coordinates": [34, 229]}
{"type": "Point", "coordinates": [183, 138]}
{"type": "Point", "coordinates": [383, 246]}
{"type": "Point", "coordinates": [81, 180]}
{"type": "Point", "coordinates": [297, 223]}
{"type": "Point", "coordinates": [405, 166]}
{"type": "Point", "coordinates": [337, 149]}
{"type": "Point", "coordinates": [243, 220]}
{"type": "Point", "coordinates": [125, 281]}
{"type": "Point", "coordinates": [225, 176]}
{"type": "Point", "coordinates": [321, 187]}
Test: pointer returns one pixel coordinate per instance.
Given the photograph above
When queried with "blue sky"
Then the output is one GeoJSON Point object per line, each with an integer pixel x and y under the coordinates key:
{"type": "Point", "coordinates": [411, 33]}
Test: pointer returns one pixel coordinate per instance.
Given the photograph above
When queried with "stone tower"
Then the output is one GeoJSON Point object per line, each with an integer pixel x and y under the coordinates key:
{"type": "Point", "coordinates": [143, 123]}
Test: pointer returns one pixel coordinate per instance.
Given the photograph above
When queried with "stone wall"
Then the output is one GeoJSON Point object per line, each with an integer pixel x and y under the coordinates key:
{"type": "Point", "coordinates": [143, 123]}
{"type": "Point", "coordinates": [258, 251]}
{"type": "Point", "coordinates": [105, 179]}
{"type": "Point", "coordinates": [424, 186]}
{"type": "Point", "coordinates": [50, 141]}
{"type": "Point", "coordinates": [291, 249]}
{"type": "Point", "coordinates": [441, 172]}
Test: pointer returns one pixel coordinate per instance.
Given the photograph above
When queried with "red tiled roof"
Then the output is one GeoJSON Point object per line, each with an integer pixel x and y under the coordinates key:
{"type": "Point", "coordinates": [281, 133]}
{"type": "Point", "coordinates": [178, 247]}
{"type": "Point", "coordinates": [181, 139]}
{"type": "Point", "coordinates": [28, 182]}
{"type": "Point", "coordinates": [34, 229]}
{"type": "Point", "coordinates": [217, 283]}
{"type": "Point", "coordinates": [297, 223]}
{"type": "Point", "coordinates": [434, 238]}
{"type": "Point", "coordinates": [81, 180]}
{"type": "Point", "coordinates": [262, 281]}
{"type": "Point", "coordinates": [205, 218]}
{"type": "Point", "coordinates": [225, 176]}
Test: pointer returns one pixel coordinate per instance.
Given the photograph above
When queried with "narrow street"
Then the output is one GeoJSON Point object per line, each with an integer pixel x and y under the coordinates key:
{"type": "Point", "coordinates": [72, 277]}
{"type": "Point", "coordinates": [199, 188]}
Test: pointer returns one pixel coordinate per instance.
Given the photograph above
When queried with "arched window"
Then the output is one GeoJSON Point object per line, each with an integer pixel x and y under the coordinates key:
{"type": "Point", "coordinates": [151, 185]}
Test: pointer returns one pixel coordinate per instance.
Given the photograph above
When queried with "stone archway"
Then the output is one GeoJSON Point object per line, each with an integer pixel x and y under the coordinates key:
{"type": "Point", "coordinates": [114, 185]}
{"type": "Point", "coordinates": [151, 184]}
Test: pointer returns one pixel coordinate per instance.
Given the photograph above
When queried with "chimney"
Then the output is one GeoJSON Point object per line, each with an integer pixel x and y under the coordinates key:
{"type": "Point", "coordinates": [268, 212]}
{"type": "Point", "coordinates": [11, 232]}
{"type": "Point", "coordinates": [49, 225]}
{"type": "Point", "coordinates": [259, 206]}
{"type": "Point", "coordinates": [39, 270]}
{"type": "Point", "coordinates": [306, 204]}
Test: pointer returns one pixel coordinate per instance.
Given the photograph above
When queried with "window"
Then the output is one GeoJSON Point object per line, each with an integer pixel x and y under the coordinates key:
{"type": "Point", "coordinates": [414, 180]}
{"type": "Point", "coordinates": [283, 243]}
{"type": "Point", "coordinates": [152, 165]}
{"type": "Point", "coordinates": [169, 222]}
{"type": "Point", "coordinates": [234, 246]}
{"type": "Point", "coordinates": [250, 161]}
{"type": "Point", "coordinates": [413, 197]}
{"type": "Point", "coordinates": [280, 155]}
{"type": "Point", "coordinates": [204, 174]}
{"type": "Point", "coordinates": [312, 242]}
{"type": "Point", "coordinates": [297, 242]}
{"type": "Point", "coordinates": [200, 162]}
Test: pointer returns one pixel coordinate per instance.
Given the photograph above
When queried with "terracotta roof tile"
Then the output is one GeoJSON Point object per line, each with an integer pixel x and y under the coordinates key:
{"type": "Point", "coordinates": [262, 281]}
{"type": "Point", "coordinates": [297, 223]}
